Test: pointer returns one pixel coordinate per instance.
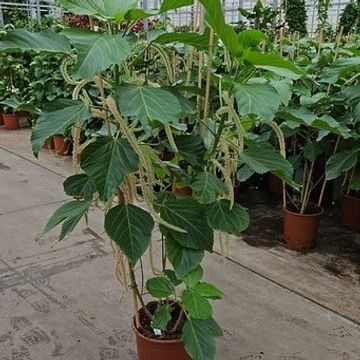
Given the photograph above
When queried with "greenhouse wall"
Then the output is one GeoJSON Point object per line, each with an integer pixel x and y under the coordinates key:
{"type": "Point", "coordinates": [37, 8]}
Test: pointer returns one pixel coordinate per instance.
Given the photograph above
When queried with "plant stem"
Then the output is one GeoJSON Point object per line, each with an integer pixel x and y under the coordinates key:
{"type": "Point", "coordinates": [103, 100]}
{"type": "Point", "coordinates": [350, 180]}
{"type": "Point", "coordinates": [307, 189]}
{"type": "Point", "coordinates": [325, 180]}
{"type": "Point", "coordinates": [178, 321]}
{"type": "Point", "coordinates": [208, 76]}
{"type": "Point", "coordinates": [137, 295]}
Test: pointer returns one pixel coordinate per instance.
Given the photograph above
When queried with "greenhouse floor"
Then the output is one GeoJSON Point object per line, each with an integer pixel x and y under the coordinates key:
{"type": "Point", "coordinates": [61, 301]}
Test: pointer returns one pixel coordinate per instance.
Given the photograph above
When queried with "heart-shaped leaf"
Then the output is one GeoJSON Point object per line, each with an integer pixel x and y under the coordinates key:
{"type": "Point", "coordinates": [107, 162]}
{"type": "Point", "coordinates": [55, 119]}
{"type": "Point", "coordinates": [160, 287]}
{"type": "Point", "coordinates": [130, 228]}
{"type": "Point", "coordinates": [222, 217]}
{"type": "Point", "coordinates": [186, 213]}
{"type": "Point", "coordinates": [69, 214]}
{"type": "Point", "coordinates": [182, 259]}
{"type": "Point", "coordinates": [96, 52]}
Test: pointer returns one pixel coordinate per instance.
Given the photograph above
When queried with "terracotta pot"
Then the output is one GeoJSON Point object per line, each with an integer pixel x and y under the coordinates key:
{"type": "Point", "coordinates": [152, 349]}
{"type": "Point", "coordinates": [11, 121]}
{"type": "Point", "coordinates": [350, 211]}
{"type": "Point", "coordinates": [1, 119]}
{"type": "Point", "coordinates": [275, 185]}
{"type": "Point", "coordinates": [301, 231]}
{"type": "Point", "coordinates": [186, 190]}
{"type": "Point", "coordinates": [61, 146]}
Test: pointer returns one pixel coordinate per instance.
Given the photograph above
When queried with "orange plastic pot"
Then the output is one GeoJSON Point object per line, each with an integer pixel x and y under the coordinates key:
{"type": "Point", "coordinates": [60, 145]}
{"type": "Point", "coordinates": [350, 211]}
{"type": "Point", "coordinates": [301, 231]}
{"type": "Point", "coordinates": [11, 121]}
{"type": "Point", "coordinates": [152, 349]}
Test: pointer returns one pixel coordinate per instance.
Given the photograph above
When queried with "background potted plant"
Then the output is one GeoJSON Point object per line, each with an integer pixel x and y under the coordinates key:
{"type": "Point", "coordinates": [346, 161]}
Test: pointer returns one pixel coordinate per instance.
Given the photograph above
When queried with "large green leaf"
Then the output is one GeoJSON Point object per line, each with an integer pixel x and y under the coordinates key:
{"type": "Point", "coordinates": [107, 162]}
{"type": "Point", "coordinates": [130, 228]}
{"type": "Point", "coordinates": [251, 38]}
{"type": "Point", "coordinates": [304, 116]}
{"type": "Point", "coordinates": [46, 41]}
{"type": "Point", "coordinates": [186, 213]}
{"type": "Point", "coordinates": [55, 119]}
{"type": "Point", "coordinates": [191, 148]}
{"type": "Point", "coordinates": [272, 62]}
{"type": "Point", "coordinates": [197, 305]}
{"type": "Point", "coordinates": [69, 214]}
{"type": "Point", "coordinates": [259, 99]}
{"type": "Point", "coordinates": [207, 187]}
{"type": "Point", "coordinates": [215, 18]}
{"type": "Point", "coordinates": [222, 217]}
{"type": "Point", "coordinates": [18, 105]}
{"type": "Point", "coordinates": [340, 68]}
{"type": "Point", "coordinates": [162, 317]}
{"type": "Point", "coordinates": [199, 340]}
{"type": "Point", "coordinates": [353, 95]}
{"type": "Point", "coordinates": [96, 52]}
{"type": "Point", "coordinates": [264, 158]}
{"type": "Point", "coordinates": [312, 151]}
{"type": "Point", "coordinates": [174, 4]}
{"type": "Point", "coordinates": [160, 287]}
{"type": "Point", "coordinates": [183, 259]}
{"type": "Point", "coordinates": [149, 104]}
{"type": "Point", "coordinates": [284, 89]}
{"type": "Point", "coordinates": [80, 186]}
{"type": "Point", "coordinates": [209, 291]}
{"type": "Point", "coordinates": [103, 9]}
{"type": "Point", "coordinates": [193, 277]}
{"type": "Point", "coordinates": [198, 41]}
{"type": "Point", "coordinates": [341, 162]}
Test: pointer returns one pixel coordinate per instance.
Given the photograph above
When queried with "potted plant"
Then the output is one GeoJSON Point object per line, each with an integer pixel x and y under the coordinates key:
{"type": "Point", "coordinates": [136, 90]}
{"type": "Point", "coordinates": [11, 119]}
{"type": "Point", "coordinates": [350, 201]}
{"type": "Point", "coordinates": [12, 108]}
{"type": "Point", "coordinates": [316, 121]}
{"type": "Point", "coordinates": [346, 161]}
{"type": "Point", "coordinates": [61, 145]}
{"type": "Point", "coordinates": [14, 81]}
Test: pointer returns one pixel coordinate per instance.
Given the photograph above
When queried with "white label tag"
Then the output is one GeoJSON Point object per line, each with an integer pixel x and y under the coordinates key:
{"type": "Point", "coordinates": [157, 332]}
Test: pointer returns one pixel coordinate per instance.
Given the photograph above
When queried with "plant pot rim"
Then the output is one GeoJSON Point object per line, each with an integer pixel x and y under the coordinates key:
{"type": "Point", "coordinates": [319, 213]}
{"type": "Point", "coordinates": [11, 114]}
{"type": "Point", "coordinates": [156, 341]}
{"type": "Point", "coordinates": [343, 194]}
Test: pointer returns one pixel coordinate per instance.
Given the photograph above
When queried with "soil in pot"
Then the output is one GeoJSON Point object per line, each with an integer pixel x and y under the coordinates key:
{"type": "Point", "coordinates": [350, 210]}
{"type": "Point", "coordinates": [11, 121]}
{"type": "Point", "coordinates": [301, 230]}
{"type": "Point", "coordinates": [61, 146]}
{"type": "Point", "coordinates": [168, 346]}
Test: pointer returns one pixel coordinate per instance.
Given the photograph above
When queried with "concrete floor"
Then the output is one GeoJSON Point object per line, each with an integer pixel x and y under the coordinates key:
{"type": "Point", "coordinates": [61, 301]}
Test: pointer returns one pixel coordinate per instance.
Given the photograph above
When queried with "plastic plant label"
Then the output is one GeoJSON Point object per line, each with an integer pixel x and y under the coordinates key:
{"type": "Point", "coordinates": [157, 332]}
